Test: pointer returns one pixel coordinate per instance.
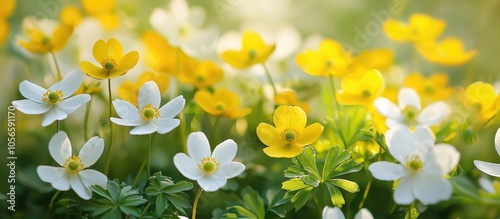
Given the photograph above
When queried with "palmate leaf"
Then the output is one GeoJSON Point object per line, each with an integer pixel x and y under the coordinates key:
{"type": "Point", "coordinates": [166, 193]}
{"type": "Point", "coordinates": [348, 122]}
{"type": "Point", "coordinates": [252, 205]}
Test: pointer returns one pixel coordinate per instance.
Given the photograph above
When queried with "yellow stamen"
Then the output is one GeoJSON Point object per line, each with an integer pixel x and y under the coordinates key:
{"type": "Point", "coordinates": [149, 112]}
{"type": "Point", "coordinates": [209, 165]}
{"type": "Point", "coordinates": [73, 164]}
{"type": "Point", "coordinates": [52, 96]}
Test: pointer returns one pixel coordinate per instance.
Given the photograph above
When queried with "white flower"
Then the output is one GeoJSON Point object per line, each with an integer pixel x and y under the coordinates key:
{"type": "Point", "coordinates": [408, 112]}
{"type": "Point", "coordinates": [148, 118]}
{"type": "Point", "coordinates": [210, 170]}
{"type": "Point", "coordinates": [54, 103]}
{"type": "Point", "coordinates": [422, 165]}
{"type": "Point", "coordinates": [336, 213]}
{"type": "Point", "coordinates": [487, 167]}
{"type": "Point", "coordinates": [72, 173]}
{"type": "Point", "coordinates": [181, 26]}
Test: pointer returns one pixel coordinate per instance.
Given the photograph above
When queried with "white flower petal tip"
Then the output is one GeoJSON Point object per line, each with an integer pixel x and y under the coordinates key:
{"type": "Point", "coordinates": [491, 169]}
{"type": "Point", "coordinates": [332, 213]}
{"type": "Point", "coordinates": [211, 171]}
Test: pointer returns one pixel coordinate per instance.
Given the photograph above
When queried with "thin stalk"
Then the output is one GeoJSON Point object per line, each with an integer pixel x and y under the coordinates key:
{"type": "Point", "coordinates": [57, 126]}
{"type": "Point", "coordinates": [146, 208]}
{"type": "Point", "coordinates": [270, 79]}
{"type": "Point", "coordinates": [334, 94]}
{"type": "Point", "coordinates": [149, 154]}
{"type": "Point", "coordinates": [214, 129]}
{"type": "Point", "coordinates": [56, 64]}
{"type": "Point", "coordinates": [86, 121]}
{"type": "Point", "coordinates": [182, 130]}
{"type": "Point", "coordinates": [139, 172]}
{"type": "Point", "coordinates": [316, 203]}
{"type": "Point", "coordinates": [365, 194]}
{"type": "Point", "coordinates": [108, 157]}
{"type": "Point", "coordinates": [51, 204]}
{"type": "Point", "coordinates": [195, 205]}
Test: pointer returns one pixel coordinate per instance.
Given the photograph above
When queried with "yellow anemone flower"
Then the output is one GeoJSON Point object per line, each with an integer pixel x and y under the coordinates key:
{"type": "Point", "coordinates": [110, 56]}
{"type": "Point", "coordinates": [290, 133]}
{"type": "Point", "coordinates": [450, 51]}
{"type": "Point", "coordinates": [129, 91]}
{"type": "Point", "coordinates": [222, 102]}
{"type": "Point", "coordinates": [380, 59]}
{"type": "Point", "coordinates": [40, 42]}
{"type": "Point", "coordinates": [162, 57]}
{"type": "Point", "coordinates": [421, 27]}
{"type": "Point", "coordinates": [5, 12]}
{"type": "Point", "coordinates": [254, 51]}
{"type": "Point", "coordinates": [70, 15]}
{"type": "Point", "coordinates": [103, 10]}
{"type": "Point", "coordinates": [361, 89]}
{"type": "Point", "coordinates": [89, 88]}
{"type": "Point", "coordinates": [482, 98]}
{"type": "Point", "coordinates": [329, 60]}
{"type": "Point", "coordinates": [290, 98]}
{"type": "Point", "coordinates": [431, 89]}
{"type": "Point", "coordinates": [202, 75]}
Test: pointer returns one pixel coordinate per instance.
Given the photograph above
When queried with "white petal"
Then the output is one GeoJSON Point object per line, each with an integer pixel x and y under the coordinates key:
{"type": "Point", "coordinates": [424, 139]}
{"type": "Point", "coordinates": [196, 16]}
{"type": "Point", "coordinates": [386, 108]}
{"type": "Point", "coordinates": [409, 97]}
{"type": "Point", "coordinates": [52, 115]}
{"type": "Point", "coordinates": [70, 84]}
{"type": "Point", "coordinates": [127, 122]}
{"type": "Point", "coordinates": [363, 214]}
{"type": "Point", "coordinates": [430, 189]}
{"type": "Point", "coordinates": [198, 146]}
{"type": "Point", "coordinates": [403, 194]}
{"type": "Point", "coordinates": [441, 160]}
{"type": "Point", "coordinates": [149, 94]}
{"type": "Point", "coordinates": [32, 91]}
{"type": "Point", "coordinates": [30, 107]}
{"type": "Point", "coordinates": [179, 9]}
{"type": "Point", "coordinates": [60, 147]}
{"type": "Point", "coordinates": [91, 151]}
{"type": "Point", "coordinates": [229, 170]}
{"type": "Point", "coordinates": [159, 19]}
{"type": "Point", "coordinates": [73, 103]}
{"type": "Point", "coordinates": [392, 123]}
{"type": "Point", "coordinates": [487, 185]}
{"type": "Point", "coordinates": [93, 177]}
{"type": "Point", "coordinates": [56, 176]}
{"type": "Point", "coordinates": [384, 170]}
{"type": "Point", "coordinates": [211, 184]}
{"type": "Point", "coordinates": [434, 113]}
{"type": "Point", "coordinates": [146, 128]}
{"type": "Point", "coordinates": [491, 169]}
{"type": "Point", "coordinates": [77, 186]}
{"type": "Point", "coordinates": [332, 213]}
{"type": "Point", "coordinates": [165, 125]}
{"type": "Point", "coordinates": [225, 151]}
{"type": "Point", "coordinates": [126, 110]}
{"type": "Point", "coordinates": [401, 142]}
{"type": "Point", "coordinates": [497, 141]}
{"type": "Point", "coordinates": [187, 167]}
{"type": "Point", "coordinates": [173, 107]}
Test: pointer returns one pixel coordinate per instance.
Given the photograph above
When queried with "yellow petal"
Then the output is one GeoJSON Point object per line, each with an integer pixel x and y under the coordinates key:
{"type": "Point", "coordinates": [61, 36]}
{"type": "Point", "coordinates": [450, 51]}
{"type": "Point", "coordinates": [396, 30]}
{"type": "Point", "coordinates": [230, 99]}
{"type": "Point", "coordinates": [93, 71]}
{"type": "Point", "coordinates": [94, 7]}
{"type": "Point", "coordinates": [309, 135]}
{"type": "Point", "coordinates": [4, 30]}
{"type": "Point", "coordinates": [109, 20]}
{"type": "Point", "coordinates": [7, 8]}
{"type": "Point", "coordinates": [269, 135]}
{"type": "Point", "coordinates": [129, 92]}
{"type": "Point", "coordinates": [380, 59]}
{"type": "Point", "coordinates": [239, 113]}
{"type": "Point", "coordinates": [426, 27]}
{"type": "Point", "coordinates": [100, 51]}
{"type": "Point", "coordinates": [126, 63]}
{"type": "Point", "coordinates": [252, 40]}
{"type": "Point", "coordinates": [70, 15]}
{"type": "Point", "coordinates": [162, 80]}
{"type": "Point", "coordinates": [206, 101]}
{"type": "Point", "coordinates": [115, 50]}
{"type": "Point", "coordinates": [289, 117]}
{"type": "Point", "coordinates": [414, 80]}
{"type": "Point", "coordinates": [311, 62]}
{"type": "Point", "coordinates": [285, 151]}
{"type": "Point", "coordinates": [236, 59]}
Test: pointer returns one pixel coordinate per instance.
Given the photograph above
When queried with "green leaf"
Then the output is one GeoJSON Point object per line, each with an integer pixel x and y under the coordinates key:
{"type": "Point", "coordinates": [347, 185]}
{"type": "Point", "coordinates": [178, 187]}
{"type": "Point", "coordinates": [412, 213]}
{"type": "Point", "coordinates": [244, 213]}
{"type": "Point", "coordinates": [333, 158]}
{"type": "Point", "coordinates": [335, 195]}
{"type": "Point", "coordinates": [300, 199]}
{"type": "Point", "coordinates": [310, 180]}
{"type": "Point", "coordinates": [294, 184]}
{"type": "Point", "coordinates": [180, 201]}
{"type": "Point", "coordinates": [294, 171]}
{"type": "Point", "coordinates": [160, 205]}
{"type": "Point", "coordinates": [308, 161]}
{"type": "Point", "coordinates": [254, 202]}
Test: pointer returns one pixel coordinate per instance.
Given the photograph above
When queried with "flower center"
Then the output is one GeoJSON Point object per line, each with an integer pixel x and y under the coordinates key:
{"type": "Point", "coordinates": [252, 54]}
{"type": "Point", "coordinates": [73, 164]}
{"type": "Point", "coordinates": [209, 165]}
{"type": "Point", "coordinates": [149, 112]}
{"type": "Point", "coordinates": [109, 64]}
{"type": "Point", "coordinates": [185, 30]}
{"type": "Point", "coordinates": [200, 78]}
{"type": "Point", "coordinates": [220, 106]}
{"type": "Point", "coordinates": [366, 93]}
{"type": "Point", "coordinates": [410, 112]}
{"type": "Point", "coordinates": [52, 96]}
{"type": "Point", "coordinates": [414, 163]}
{"type": "Point", "coordinates": [289, 135]}
{"type": "Point", "coordinates": [429, 89]}
{"type": "Point", "coordinates": [329, 63]}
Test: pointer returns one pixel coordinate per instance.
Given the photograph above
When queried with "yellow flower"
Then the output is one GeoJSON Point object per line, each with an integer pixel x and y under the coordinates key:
{"type": "Point", "coordinates": [129, 91]}
{"type": "Point", "coordinates": [40, 42]}
{"type": "Point", "coordinates": [254, 51]}
{"type": "Point", "coordinates": [4, 30]}
{"type": "Point", "coordinates": [89, 88]}
{"type": "Point", "coordinates": [380, 59]}
{"type": "Point", "coordinates": [420, 28]}
{"type": "Point", "coordinates": [70, 15]}
{"type": "Point", "coordinates": [450, 51]}
{"type": "Point", "coordinates": [482, 97]}
{"type": "Point", "coordinates": [221, 103]}
{"type": "Point", "coordinates": [5, 12]}
{"type": "Point", "coordinates": [364, 150]}
{"type": "Point", "coordinates": [110, 56]}
{"type": "Point", "coordinates": [361, 89]}
{"type": "Point", "coordinates": [290, 133]}
{"type": "Point", "coordinates": [290, 98]}
{"type": "Point", "coordinates": [432, 89]}
{"type": "Point", "coordinates": [329, 60]}
{"type": "Point", "coordinates": [202, 75]}
{"type": "Point", "coordinates": [162, 57]}
{"type": "Point", "coordinates": [103, 10]}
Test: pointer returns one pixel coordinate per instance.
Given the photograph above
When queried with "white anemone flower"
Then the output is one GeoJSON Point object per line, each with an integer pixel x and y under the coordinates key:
{"type": "Point", "coordinates": [491, 169]}
{"type": "Point", "coordinates": [422, 169]}
{"type": "Point", "coordinates": [336, 213]}
{"type": "Point", "coordinates": [73, 172]}
{"type": "Point", "coordinates": [409, 111]}
{"type": "Point", "coordinates": [54, 103]}
{"type": "Point", "coordinates": [149, 117]}
{"type": "Point", "coordinates": [211, 170]}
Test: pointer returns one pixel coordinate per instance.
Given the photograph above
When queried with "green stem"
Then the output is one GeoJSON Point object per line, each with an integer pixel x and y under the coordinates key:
{"type": "Point", "coordinates": [214, 130]}
{"type": "Point", "coordinates": [149, 154]}
{"type": "Point", "coordinates": [317, 204]}
{"type": "Point", "coordinates": [86, 121]}
{"type": "Point", "coordinates": [139, 172]}
{"type": "Point", "coordinates": [108, 157]}
{"type": "Point", "coordinates": [270, 79]}
{"type": "Point", "coordinates": [195, 205]}
{"type": "Point", "coordinates": [146, 208]}
{"type": "Point", "coordinates": [365, 194]}
{"type": "Point", "coordinates": [334, 94]}
{"type": "Point", "coordinates": [51, 204]}
{"type": "Point", "coordinates": [58, 70]}
{"type": "Point", "coordinates": [57, 126]}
